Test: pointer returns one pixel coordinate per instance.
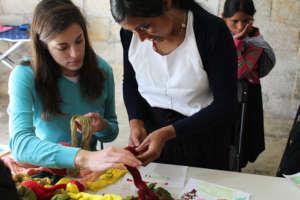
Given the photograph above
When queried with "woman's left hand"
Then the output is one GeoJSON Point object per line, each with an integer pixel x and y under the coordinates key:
{"type": "Point", "coordinates": [98, 122]}
{"type": "Point", "coordinates": [151, 147]}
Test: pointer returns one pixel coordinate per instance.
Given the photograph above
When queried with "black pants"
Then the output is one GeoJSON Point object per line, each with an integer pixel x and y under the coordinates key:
{"type": "Point", "coordinates": [206, 148]}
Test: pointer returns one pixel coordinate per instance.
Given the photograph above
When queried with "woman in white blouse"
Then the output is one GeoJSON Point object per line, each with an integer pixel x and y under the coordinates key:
{"type": "Point", "coordinates": [179, 81]}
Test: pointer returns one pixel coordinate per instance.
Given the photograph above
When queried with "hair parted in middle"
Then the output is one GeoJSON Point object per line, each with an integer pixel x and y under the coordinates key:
{"type": "Point", "coordinates": [233, 6]}
{"type": "Point", "coordinates": [50, 18]}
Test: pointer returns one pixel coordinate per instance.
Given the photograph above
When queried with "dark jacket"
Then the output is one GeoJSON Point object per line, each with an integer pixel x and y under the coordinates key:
{"type": "Point", "coordinates": [219, 58]}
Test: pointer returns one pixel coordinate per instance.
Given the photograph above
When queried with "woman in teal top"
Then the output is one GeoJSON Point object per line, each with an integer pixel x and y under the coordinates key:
{"type": "Point", "coordinates": [63, 79]}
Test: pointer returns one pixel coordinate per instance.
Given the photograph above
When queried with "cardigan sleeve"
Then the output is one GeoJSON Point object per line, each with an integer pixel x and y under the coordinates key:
{"type": "Point", "coordinates": [110, 132]}
{"type": "Point", "coordinates": [220, 62]}
{"type": "Point", "coordinates": [137, 107]}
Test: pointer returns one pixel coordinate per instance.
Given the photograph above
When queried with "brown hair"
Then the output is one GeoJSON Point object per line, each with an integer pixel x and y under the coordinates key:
{"type": "Point", "coordinates": [50, 18]}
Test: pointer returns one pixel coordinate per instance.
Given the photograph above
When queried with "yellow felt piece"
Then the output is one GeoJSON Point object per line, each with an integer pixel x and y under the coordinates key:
{"type": "Point", "coordinates": [87, 196]}
{"type": "Point", "coordinates": [110, 177]}
{"type": "Point", "coordinates": [72, 188]}
{"type": "Point", "coordinates": [64, 181]}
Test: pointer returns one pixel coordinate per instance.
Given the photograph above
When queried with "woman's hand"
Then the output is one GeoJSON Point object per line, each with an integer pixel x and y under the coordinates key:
{"type": "Point", "coordinates": [151, 147]}
{"type": "Point", "coordinates": [245, 32]}
{"type": "Point", "coordinates": [110, 157]}
{"type": "Point", "coordinates": [98, 123]}
{"type": "Point", "coordinates": [137, 132]}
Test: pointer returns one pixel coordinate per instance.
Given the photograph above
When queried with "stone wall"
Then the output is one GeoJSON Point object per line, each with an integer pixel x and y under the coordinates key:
{"type": "Point", "coordinates": [278, 21]}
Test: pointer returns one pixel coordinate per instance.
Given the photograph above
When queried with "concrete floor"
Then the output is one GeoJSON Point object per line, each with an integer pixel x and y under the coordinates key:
{"type": "Point", "coordinates": [266, 164]}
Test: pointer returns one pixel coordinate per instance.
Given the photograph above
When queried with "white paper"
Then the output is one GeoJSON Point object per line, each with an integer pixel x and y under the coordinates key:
{"type": "Point", "coordinates": [209, 191]}
{"type": "Point", "coordinates": [3, 149]}
{"type": "Point", "coordinates": [294, 179]}
{"type": "Point", "coordinates": [162, 175]}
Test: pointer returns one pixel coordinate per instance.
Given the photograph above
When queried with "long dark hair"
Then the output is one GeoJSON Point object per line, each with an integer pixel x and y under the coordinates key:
{"type": "Point", "coordinates": [145, 8]}
{"type": "Point", "coordinates": [50, 18]}
{"type": "Point", "coordinates": [233, 6]}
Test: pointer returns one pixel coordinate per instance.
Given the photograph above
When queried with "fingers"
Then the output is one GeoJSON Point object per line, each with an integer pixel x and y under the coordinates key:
{"type": "Point", "coordinates": [92, 115]}
{"type": "Point", "coordinates": [79, 127]}
{"type": "Point", "coordinates": [118, 155]}
{"type": "Point", "coordinates": [148, 157]}
{"type": "Point", "coordinates": [130, 143]}
{"type": "Point", "coordinates": [147, 153]}
{"type": "Point", "coordinates": [143, 146]}
{"type": "Point", "coordinates": [136, 141]}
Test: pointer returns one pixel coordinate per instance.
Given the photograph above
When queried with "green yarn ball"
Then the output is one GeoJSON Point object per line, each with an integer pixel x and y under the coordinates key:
{"type": "Point", "coordinates": [25, 193]}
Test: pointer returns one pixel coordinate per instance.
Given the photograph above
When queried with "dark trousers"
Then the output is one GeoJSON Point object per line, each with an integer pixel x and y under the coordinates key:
{"type": "Point", "coordinates": [253, 142]}
{"type": "Point", "coordinates": [205, 148]}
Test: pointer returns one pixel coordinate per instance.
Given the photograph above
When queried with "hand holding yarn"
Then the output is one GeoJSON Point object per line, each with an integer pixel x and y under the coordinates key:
{"type": "Point", "coordinates": [98, 123]}
{"type": "Point", "coordinates": [105, 159]}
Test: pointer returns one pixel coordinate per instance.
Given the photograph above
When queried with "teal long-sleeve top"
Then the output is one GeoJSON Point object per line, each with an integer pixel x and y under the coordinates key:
{"type": "Point", "coordinates": [35, 141]}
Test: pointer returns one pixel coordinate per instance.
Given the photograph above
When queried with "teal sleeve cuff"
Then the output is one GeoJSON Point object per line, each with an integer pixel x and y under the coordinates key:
{"type": "Point", "coordinates": [66, 156]}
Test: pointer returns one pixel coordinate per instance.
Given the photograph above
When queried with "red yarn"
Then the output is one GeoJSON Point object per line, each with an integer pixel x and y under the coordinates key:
{"type": "Point", "coordinates": [41, 191]}
{"type": "Point", "coordinates": [79, 185]}
{"type": "Point", "coordinates": [144, 193]}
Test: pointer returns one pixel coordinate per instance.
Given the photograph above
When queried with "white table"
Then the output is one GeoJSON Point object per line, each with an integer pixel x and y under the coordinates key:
{"type": "Point", "coordinates": [260, 187]}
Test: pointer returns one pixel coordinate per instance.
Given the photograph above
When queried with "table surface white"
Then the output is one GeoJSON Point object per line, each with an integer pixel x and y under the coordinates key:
{"type": "Point", "coordinates": [260, 187]}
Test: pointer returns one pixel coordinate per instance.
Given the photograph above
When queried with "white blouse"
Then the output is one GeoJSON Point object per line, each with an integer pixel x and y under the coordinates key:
{"type": "Point", "coordinates": [175, 81]}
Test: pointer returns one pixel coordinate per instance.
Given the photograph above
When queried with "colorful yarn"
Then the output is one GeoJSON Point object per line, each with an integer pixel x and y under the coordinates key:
{"type": "Point", "coordinates": [19, 178]}
{"type": "Point", "coordinates": [72, 188]}
{"type": "Point", "coordinates": [160, 192]}
{"type": "Point", "coordinates": [110, 177]}
{"type": "Point", "coordinates": [61, 197]}
{"type": "Point", "coordinates": [86, 131]}
{"type": "Point", "coordinates": [87, 196]}
{"type": "Point", "coordinates": [78, 184]}
{"type": "Point", "coordinates": [43, 181]}
{"type": "Point", "coordinates": [45, 174]}
{"type": "Point", "coordinates": [144, 192]}
{"type": "Point", "coordinates": [25, 193]}
{"type": "Point", "coordinates": [41, 191]}
{"type": "Point", "coordinates": [63, 181]}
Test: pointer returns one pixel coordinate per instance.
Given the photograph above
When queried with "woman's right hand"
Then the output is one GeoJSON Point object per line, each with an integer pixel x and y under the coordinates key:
{"type": "Point", "coordinates": [137, 132]}
{"type": "Point", "coordinates": [111, 157]}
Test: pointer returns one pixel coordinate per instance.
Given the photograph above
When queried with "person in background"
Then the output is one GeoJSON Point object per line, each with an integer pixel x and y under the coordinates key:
{"type": "Point", "coordinates": [255, 60]}
{"type": "Point", "coordinates": [180, 81]}
{"type": "Point", "coordinates": [64, 78]}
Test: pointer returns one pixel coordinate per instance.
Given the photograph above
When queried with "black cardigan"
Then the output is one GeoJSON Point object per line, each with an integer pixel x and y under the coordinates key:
{"type": "Point", "coordinates": [219, 57]}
